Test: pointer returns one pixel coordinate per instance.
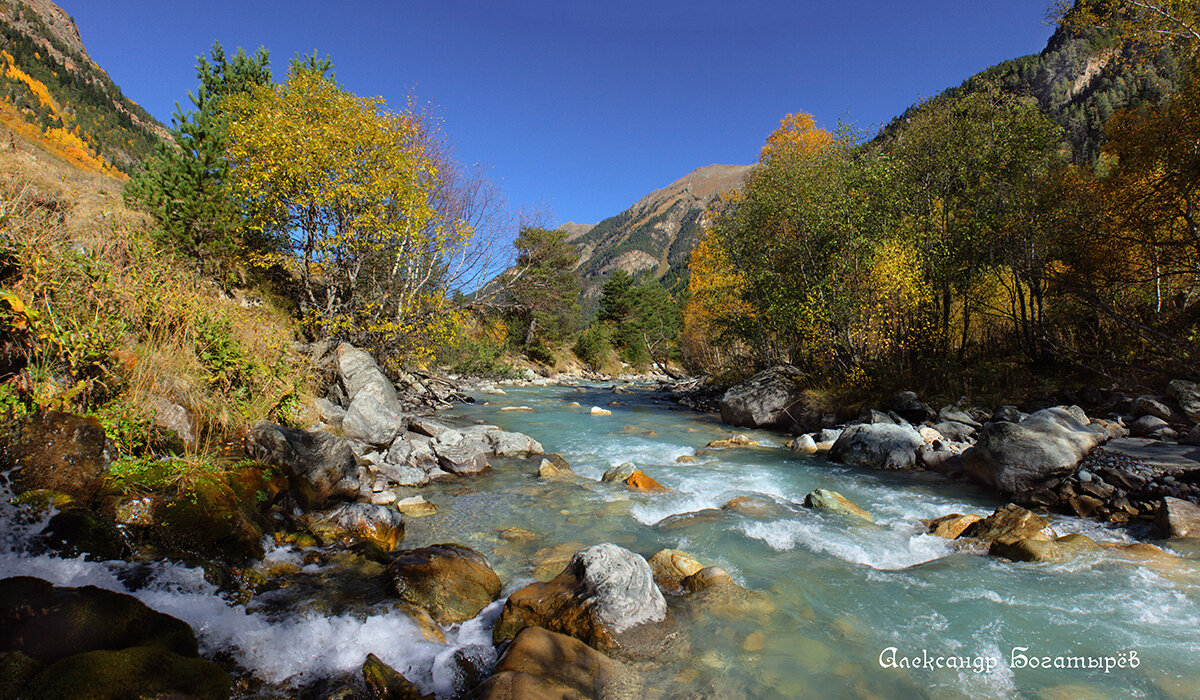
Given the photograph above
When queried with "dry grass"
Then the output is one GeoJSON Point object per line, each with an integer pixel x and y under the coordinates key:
{"type": "Point", "coordinates": [126, 323]}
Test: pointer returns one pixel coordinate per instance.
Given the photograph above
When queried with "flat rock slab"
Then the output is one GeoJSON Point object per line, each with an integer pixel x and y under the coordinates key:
{"type": "Point", "coordinates": [1157, 454]}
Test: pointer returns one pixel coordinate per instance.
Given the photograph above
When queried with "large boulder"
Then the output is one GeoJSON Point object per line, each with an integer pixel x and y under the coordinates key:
{"type": "Point", "coordinates": [877, 445]}
{"type": "Point", "coordinates": [1014, 457]}
{"type": "Point", "coordinates": [374, 414]}
{"type": "Point", "coordinates": [545, 665]}
{"type": "Point", "coordinates": [48, 623]}
{"type": "Point", "coordinates": [320, 466]}
{"type": "Point", "coordinates": [464, 459]}
{"type": "Point", "coordinates": [1187, 395]}
{"type": "Point", "coordinates": [60, 452]}
{"type": "Point", "coordinates": [769, 399]}
{"type": "Point", "coordinates": [606, 597]}
{"type": "Point", "coordinates": [372, 421]}
{"type": "Point", "coordinates": [454, 583]}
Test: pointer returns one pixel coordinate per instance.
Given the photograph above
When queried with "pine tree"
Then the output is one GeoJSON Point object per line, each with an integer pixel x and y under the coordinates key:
{"type": "Point", "coordinates": [183, 183]}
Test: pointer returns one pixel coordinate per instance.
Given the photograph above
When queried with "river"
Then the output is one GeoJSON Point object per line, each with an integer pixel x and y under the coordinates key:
{"type": "Point", "coordinates": [843, 608]}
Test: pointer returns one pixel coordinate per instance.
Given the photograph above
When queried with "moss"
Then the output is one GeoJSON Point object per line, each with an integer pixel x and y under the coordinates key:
{"type": "Point", "coordinates": [130, 674]}
{"type": "Point", "coordinates": [16, 670]}
{"type": "Point", "coordinates": [209, 519]}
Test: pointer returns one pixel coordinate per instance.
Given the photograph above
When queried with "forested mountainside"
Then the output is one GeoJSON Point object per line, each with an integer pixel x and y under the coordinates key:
{"type": "Point", "coordinates": [52, 91]}
{"type": "Point", "coordinates": [1080, 80]}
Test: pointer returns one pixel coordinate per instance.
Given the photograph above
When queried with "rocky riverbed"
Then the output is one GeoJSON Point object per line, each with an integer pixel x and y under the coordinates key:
{"type": "Point", "coordinates": [578, 539]}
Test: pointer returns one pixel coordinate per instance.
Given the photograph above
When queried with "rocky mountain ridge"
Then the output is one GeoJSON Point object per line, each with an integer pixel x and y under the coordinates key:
{"type": "Point", "coordinates": [656, 235]}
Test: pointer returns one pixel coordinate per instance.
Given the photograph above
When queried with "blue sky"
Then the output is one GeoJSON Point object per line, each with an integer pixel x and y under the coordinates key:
{"type": "Point", "coordinates": [581, 108]}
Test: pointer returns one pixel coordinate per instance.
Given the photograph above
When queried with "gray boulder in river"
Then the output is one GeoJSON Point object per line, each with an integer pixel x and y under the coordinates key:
{"type": "Point", "coordinates": [877, 445]}
{"type": "Point", "coordinates": [1014, 457]}
{"type": "Point", "coordinates": [374, 413]}
{"type": "Point", "coordinates": [770, 399]}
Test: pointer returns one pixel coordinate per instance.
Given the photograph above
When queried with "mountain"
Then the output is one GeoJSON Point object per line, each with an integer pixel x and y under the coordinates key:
{"type": "Point", "coordinates": [1079, 80]}
{"type": "Point", "coordinates": [656, 235]}
{"type": "Point", "coordinates": [52, 92]}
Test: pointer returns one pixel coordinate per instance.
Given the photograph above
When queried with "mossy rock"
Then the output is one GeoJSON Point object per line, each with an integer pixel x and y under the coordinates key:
{"type": "Point", "coordinates": [386, 683]}
{"type": "Point", "coordinates": [257, 486]}
{"type": "Point", "coordinates": [78, 531]}
{"type": "Point", "coordinates": [209, 519]}
{"type": "Point", "coordinates": [16, 670]}
{"type": "Point", "coordinates": [131, 674]}
{"type": "Point", "coordinates": [61, 452]}
{"type": "Point", "coordinates": [49, 623]}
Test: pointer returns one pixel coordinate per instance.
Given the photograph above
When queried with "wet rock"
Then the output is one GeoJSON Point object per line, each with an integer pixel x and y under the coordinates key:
{"type": "Point", "coordinates": [415, 507]}
{"type": "Point", "coordinates": [604, 596]}
{"type": "Point", "coordinates": [683, 521]}
{"type": "Point", "coordinates": [910, 408]}
{"type": "Point", "coordinates": [803, 444]}
{"type": "Point", "coordinates": [350, 523]}
{"type": "Point", "coordinates": [60, 452]}
{"type": "Point", "coordinates": [554, 467]}
{"type": "Point", "coordinates": [321, 467]}
{"type": "Point", "coordinates": [670, 567]}
{"type": "Point", "coordinates": [1176, 517]}
{"type": "Point", "coordinates": [454, 583]}
{"type": "Point", "coordinates": [827, 437]}
{"type": "Point", "coordinates": [49, 623]}
{"type": "Point", "coordinates": [953, 525]}
{"type": "Point", "coordinates": [734, 440]}
{"type": "Point", "coordinates": [597, 411]}
{"type": "Point", "coordinates": [463, 459]}
{"type": "Point", "coordinates": [713, 592]}
{"type": "Point", "coordinates": [639, 481]}
{"type": "Point", "coordinates": [465, 666]}
{"type": "Point", "coordinates": [1187, 395]}
{"type": "Point", "coordinates": [386, 683]}
{"type": "Point", "coordinates": [210, 519]}
{"type": "Point", "coordinates": [621, 472]}
{"type": "Point", "coordinates": [545, 665]}
{"type": "Point", "coordinates": [769, 399]}
{"type": "Point", "coordinates": [1014, 533]}
{"type": "Point", "coordinates": [1015, 457]}
{"type": "Point", "coordinates": [135, 672]}
{"type": "Point", "coordinates": [834, 502]}
{"type": "Point", "coordinates": [758, 506]}
{"type": "Point", "coordinates": [75, 532]}
{"type": "Point", "coordinates": [878, 446]}
{"type": "Point", "coordinates": [504, 443]}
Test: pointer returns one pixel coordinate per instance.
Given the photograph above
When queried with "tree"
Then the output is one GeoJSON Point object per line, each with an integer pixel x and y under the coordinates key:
{"type": "Point", "coordinates": [183, 184]}
{"type": "Point", "coordinates": [350, 185]}
{"type": "Point", "coordinates": [1146, 25]}
{"type": "Point", "coordinates": [614, 302]}
{"type": "Point", "coordinates": [543, 286]}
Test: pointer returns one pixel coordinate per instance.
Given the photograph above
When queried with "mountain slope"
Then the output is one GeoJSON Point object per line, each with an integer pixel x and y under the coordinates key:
{"type": "Point", "coordinates": [656, 235]}
{"type": "Point", "coordinates": [52, 91]}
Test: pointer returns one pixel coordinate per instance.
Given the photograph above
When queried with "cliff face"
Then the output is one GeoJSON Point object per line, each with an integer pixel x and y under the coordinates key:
{"type": "Point", "coordinates": [655, 235]}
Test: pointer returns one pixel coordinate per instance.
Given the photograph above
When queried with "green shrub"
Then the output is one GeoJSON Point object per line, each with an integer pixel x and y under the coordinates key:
{"type": "Point", "coordinates": [594, 346]}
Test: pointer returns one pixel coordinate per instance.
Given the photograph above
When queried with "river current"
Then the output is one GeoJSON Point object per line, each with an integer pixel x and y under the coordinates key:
{"type": "Point", "coordinates": [844, 608]}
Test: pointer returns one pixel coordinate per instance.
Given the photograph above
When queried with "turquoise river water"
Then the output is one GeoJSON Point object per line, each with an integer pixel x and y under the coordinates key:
{"type": "Point", "coordinates": [844, 609]}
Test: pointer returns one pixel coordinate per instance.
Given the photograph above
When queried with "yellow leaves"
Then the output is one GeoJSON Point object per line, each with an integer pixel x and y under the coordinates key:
{"type": "Point", "coordinates": [797, 135]}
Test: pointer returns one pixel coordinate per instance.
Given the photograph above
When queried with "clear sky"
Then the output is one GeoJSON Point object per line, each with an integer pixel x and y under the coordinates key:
{"type": "Point", "coordinates": [584, 107]}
